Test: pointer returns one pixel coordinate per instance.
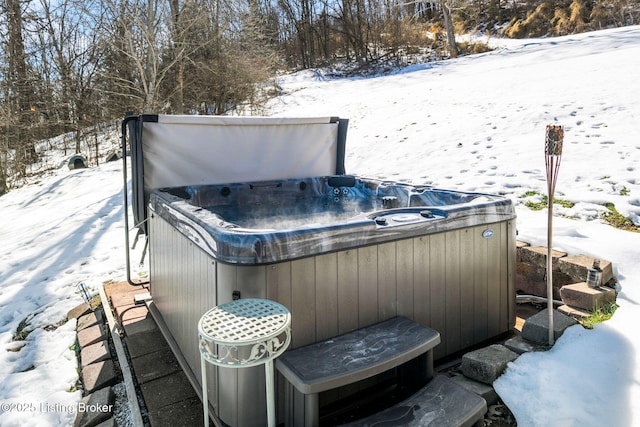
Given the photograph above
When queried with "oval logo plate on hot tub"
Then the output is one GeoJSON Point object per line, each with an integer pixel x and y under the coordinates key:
{"type": "Point", "coordinates": [488, 233]}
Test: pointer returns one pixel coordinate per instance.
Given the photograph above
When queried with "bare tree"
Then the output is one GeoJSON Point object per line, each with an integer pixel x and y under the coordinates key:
{"type": "Point", "coordinates": [69, 35]}
{"type": "Point", "coordinates": [133, 41]}
{"type": "Point", "coordinates": [66, 65]}
{"type": "Point", "coordinates": [224, 47]}
{"type": "Point", "coordinates": [353, 16]}
{"type": "Point", "coordinates": [19, 92]}
{"type": "Point", "coordinates": [301, 15]}
{"type": "Point", "coordinates": [227, 75]}
{"type": "Point", "coordinates": [447, 6]}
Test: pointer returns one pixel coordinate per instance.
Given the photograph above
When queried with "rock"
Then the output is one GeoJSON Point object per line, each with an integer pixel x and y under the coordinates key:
{"type": "Point", "coordinates": [576, 267]}
{"type": "Point", "coordinates": [487, 364]}
{"type": "Point", "coordinates": [520, 345]}
{"type": "Point", "coordinates": [537, 255]}
{"type": "Point", "coordinates": [580, 295]}
{"type": "Point", "coordinates": [536, 328]}
{"type": "Point", "coordinates": [483, 390]}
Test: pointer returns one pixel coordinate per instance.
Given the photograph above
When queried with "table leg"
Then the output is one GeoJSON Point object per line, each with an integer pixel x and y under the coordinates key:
{"type": "Point", "coordinates": [269, 379]}
{"type": "Point", "coordinates": [205, 395]}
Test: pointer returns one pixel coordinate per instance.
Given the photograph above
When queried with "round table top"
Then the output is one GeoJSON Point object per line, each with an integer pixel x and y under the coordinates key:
{"type": "Point", "coordinates": [244, 321]}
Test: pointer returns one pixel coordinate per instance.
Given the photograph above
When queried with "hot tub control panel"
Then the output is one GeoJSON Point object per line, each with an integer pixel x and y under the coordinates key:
{"type": "Point", "coordinates": [400, 217]}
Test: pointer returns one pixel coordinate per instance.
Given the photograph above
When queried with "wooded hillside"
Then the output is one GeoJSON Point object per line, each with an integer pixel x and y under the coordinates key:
{"type": "Point", "coordinates": [66, 65]}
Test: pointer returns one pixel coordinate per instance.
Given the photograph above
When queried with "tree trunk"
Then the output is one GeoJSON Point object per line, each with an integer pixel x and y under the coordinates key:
{"type": "Point", "coordinates": [448, 25]}
{"type": "Point", "coordinates": [97, 146]}
{"type": "Point", "coordinates": [21, 102]}
{"type": "Point", "coordinates": [177, 41]}
{"type": "Point", "coordinates": [3, 171]}
{"type": "Point", "coordinates": [151, 59]}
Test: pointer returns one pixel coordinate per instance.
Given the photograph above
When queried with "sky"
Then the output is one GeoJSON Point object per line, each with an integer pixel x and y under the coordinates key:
{"type": "Point", "coordinates": [476, 123]}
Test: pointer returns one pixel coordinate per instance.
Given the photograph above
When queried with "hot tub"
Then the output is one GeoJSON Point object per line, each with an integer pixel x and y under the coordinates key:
{"type": "Point", "coordinates": [341, 252]}
{"type": "Point", "coordinates": [260, 223]}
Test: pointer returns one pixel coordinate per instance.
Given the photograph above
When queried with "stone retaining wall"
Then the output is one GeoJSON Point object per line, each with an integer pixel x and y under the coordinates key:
{"type": "Point", "coordinates": [531, 270]}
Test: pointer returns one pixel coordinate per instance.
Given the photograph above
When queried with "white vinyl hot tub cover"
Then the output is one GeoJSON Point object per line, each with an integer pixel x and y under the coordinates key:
{"type": "Point", "coordinates": [192, 150]}
{"type": "Point", "coordinates": [177, 151]}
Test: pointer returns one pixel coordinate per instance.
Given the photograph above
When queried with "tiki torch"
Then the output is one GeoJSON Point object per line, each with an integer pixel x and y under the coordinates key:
{"type": "Point", "coordinates": [553, 155]}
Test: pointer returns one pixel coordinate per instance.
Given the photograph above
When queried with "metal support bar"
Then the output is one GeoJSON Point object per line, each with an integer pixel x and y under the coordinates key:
{"type": "Point", "coordinates": [125, 123]}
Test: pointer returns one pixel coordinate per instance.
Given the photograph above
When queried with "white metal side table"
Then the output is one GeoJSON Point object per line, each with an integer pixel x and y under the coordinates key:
{"type": "Point", "coordinates": [240, 334]}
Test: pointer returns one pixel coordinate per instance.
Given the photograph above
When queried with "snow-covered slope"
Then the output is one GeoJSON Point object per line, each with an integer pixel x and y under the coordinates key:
{"type": "Point", "coordinates": [474, 123]}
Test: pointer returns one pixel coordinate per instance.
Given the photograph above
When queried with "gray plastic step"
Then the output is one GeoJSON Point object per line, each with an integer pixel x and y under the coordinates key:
{"type": "Point", "coordinates": [441, 403]}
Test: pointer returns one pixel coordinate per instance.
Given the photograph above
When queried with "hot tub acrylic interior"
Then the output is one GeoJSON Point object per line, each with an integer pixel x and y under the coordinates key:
{"type": "Point", "coordinates": [266, 222]}
{"type": "Point", "coordinates": [341, 252]}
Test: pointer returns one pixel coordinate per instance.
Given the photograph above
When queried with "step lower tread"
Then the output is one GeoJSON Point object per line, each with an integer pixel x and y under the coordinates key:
{"type": "Point", "coordinates": [440, 403]}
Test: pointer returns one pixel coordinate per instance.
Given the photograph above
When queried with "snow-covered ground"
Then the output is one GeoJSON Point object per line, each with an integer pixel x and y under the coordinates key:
{"type": "Point", "coordinates": [474, 123]}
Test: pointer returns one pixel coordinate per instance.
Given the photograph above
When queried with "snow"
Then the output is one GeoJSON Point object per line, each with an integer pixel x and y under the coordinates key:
{"type": "Point", "coordinates": [64, 230]}
{"type": "Point", "coordinates": [475, 123]}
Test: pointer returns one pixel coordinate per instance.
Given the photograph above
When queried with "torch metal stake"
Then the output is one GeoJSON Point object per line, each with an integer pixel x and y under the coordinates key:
{"type": "Point", "coordinates": [553, 154]}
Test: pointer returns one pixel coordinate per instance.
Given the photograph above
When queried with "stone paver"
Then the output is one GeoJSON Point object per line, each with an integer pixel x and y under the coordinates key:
{"type": "Point", "coordinates": [91, 335]}
{"type": "Point", "coordinates": [146, 324]}
{"type": "Point", "coordinates": [155, 365]}
{"type": "Point", "coordinates": [145, 343]}
{"type": "Point", "coordinates": [134, 314]}
{"type": "Point", "coordinates": [487, 364]}
{"type": "Point", "coordinates": [93, 353]}
{"type": "Point", "coordinates": [519, 345]}
{"type": "Point", "coordinates": [90, 319]}
{"type": "Point", "coordinates": [99, 375]}
{"type": "Point", "coordinates": [130, 313]}
{"type": "Point", "coordinates": [95, 408]}
{"type": "Point", "coordinates": [123, 300]}
{"type": "Point", "coordinates": [187, 412]}
{"type": "Point", "coordinates": [167, 390]}
{"type": "Point", "coordinates": [536, 328]}
{"type": "Point", "coordinates": [537, 255]}
{"type": "Point", "coordinates": [576, 267]}
{"type": "Point", "coordinates": [122, 287]}
{"type": "Point", "coordinates": [169, 397]}
{"type": "Point", "coordinates": [78, 311]}
{"type": "Point", "coordinates": [580, 295]}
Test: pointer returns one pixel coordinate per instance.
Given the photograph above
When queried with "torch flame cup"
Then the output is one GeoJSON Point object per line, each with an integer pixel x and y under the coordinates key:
{"type": "Point", "coordinates": [554, 139]}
